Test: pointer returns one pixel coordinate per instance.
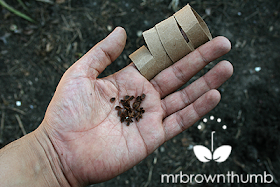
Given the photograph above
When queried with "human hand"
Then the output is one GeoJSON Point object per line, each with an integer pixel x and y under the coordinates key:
{"type": "Point", "coordinates": [90, 142]}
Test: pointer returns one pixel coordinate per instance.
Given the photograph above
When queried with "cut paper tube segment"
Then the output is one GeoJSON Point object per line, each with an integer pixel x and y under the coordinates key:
{"type": "Point", "coordinates": [169, 41]}
{"type": "Point", "coordinates": [145, 62]}
{"type": "Point", "coordinates": [172, 39]}
{"type": "Point", "coordinates": [156, 48]}
{"type": "Point", "coordinates": [193, 25]}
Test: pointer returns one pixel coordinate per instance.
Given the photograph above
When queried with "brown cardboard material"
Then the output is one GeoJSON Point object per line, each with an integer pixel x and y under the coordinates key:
{"type": "Point", "coordinates": [172, 39]}
{"type": "Point", "coordinates": [145, 62]}
{"type": "Point", "coordinates": [193, 25]}
{"type": "Point", "coordinates": [169, 41]}
{"type": "Point", "coordinates": [156, 48]}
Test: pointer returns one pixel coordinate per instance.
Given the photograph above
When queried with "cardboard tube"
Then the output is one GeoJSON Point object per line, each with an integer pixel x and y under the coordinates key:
{"type": "Point", "coordinates": [172, 39]}
{"type": "Point", "coordinates": [156, 48]}
{"type": "Point", "coordinates": [169, 41]}
{"type": "Point", "coordinates": [145, 62]}
{"type": "Point", "coordinates": [193, 25]}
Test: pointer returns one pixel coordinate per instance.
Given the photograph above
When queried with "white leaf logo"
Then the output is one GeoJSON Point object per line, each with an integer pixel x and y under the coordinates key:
{"type": "Point", "coordinates": [222, 153]}
{"type": "Point", "coordinates": [202, 153]}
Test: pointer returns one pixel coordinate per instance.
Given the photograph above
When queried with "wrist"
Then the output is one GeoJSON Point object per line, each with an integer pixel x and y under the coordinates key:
{"type": "Point", "coordinates": [50, 160]}
{"type": "Point", "coordinates": [31, 161]}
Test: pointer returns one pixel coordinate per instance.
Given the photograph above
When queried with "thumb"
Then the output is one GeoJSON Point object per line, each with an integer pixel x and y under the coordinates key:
{"type": "Point", "coordinates": [101, 55]}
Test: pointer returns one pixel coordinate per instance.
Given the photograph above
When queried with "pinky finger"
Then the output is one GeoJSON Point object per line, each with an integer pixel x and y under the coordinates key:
{"type": "Point", "coordinates": [183, 119]}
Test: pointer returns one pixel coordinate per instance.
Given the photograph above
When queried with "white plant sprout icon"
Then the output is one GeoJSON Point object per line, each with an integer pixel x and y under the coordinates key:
{"type": "Point", "coordinates": [203, 154]}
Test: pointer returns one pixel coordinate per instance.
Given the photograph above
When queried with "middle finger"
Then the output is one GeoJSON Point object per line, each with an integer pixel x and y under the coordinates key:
{"type": "Point", "coordinates": [211, 80]}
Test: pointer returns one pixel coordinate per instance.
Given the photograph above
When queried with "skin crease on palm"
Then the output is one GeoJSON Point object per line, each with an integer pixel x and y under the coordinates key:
{"type": "Point", "coordinates": [91, 143]}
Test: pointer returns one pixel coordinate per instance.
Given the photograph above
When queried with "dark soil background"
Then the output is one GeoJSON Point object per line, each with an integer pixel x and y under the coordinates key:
{"type": "Point", "coordinates": [33, 58]}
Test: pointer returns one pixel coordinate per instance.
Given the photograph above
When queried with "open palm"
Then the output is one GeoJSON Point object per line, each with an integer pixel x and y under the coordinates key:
{"type": "Point", "coordinates": [85, 130]}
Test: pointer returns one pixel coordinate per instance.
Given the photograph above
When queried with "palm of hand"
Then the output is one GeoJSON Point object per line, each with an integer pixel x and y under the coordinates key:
{"type": "Point", "coordinates": [82, 124]}
{"type": "Point", "coordinates": [88, 131]}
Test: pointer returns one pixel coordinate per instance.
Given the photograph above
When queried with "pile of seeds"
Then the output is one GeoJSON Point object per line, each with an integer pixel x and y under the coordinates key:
{"type": "Point", "coordinates": [127, 112]}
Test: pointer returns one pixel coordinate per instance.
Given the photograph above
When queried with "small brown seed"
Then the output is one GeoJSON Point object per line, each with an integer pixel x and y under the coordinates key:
{"type": "Point", "coordinates": [132, 113]}
{"type": "Point", "coordinates": [138, 98]}
{"type": "Point", "coordinates": [124, 103]}
{"type": "Point", "coordinates": [126, 97]}
{"type": "Point", "coordinates": [143, 96]}
{"type": "Point", "coordinates": [112, 99]}
{"type": "Point", "coordinates": [119, 113]}
{"type": "Point", "coordinates": [136, 105]}
{"type": "Point", "coordinates": [118, 108]}
{"type": "Point", "coordinates": [127, 108]}
{"type": "Point", "coordinates": [131, 97]}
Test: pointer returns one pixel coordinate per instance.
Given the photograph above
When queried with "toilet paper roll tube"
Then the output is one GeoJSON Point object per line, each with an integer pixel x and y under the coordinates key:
{"type": "Point", "coordinates": [172, 39]}
{"type": "Point", "coordinates": [156, 48]}
{"type": "Point", "coordinates": [193, 25]}
{"type": "Point", "coordinates": [145, 62]}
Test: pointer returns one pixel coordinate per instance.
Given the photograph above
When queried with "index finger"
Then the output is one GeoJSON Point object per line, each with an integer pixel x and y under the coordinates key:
{"type": "Point", "coordinates": [172, 78]}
